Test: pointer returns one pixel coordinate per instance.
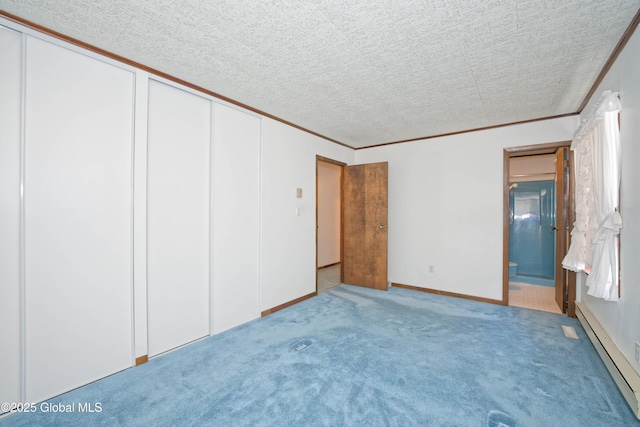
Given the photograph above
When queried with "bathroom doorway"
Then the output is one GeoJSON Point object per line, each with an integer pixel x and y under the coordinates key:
{"type": "Point", "coordinates": [536, 228]}
{"type": "Point", "coordinates": [532, 220]}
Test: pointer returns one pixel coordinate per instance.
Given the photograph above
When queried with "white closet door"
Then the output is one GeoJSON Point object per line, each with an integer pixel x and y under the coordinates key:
{"type": "Point", "coordinates": [79, 115]}
{"type": "Point", "coordinates": [10, 85]}
{"type": "Point", "coordinates": [177, 217]}
{"type": "Point", "coordinates": [236, 215]}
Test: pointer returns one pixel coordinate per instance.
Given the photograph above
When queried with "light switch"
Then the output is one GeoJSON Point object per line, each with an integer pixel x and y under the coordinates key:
{"type": "Point", "coordinates": [298, 211]}
{"type": "Point", "coordinates": [299, 193]}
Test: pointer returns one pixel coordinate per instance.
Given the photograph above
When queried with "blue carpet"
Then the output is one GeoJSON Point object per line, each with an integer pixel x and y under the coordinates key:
{"type": "Point", "coordinates": [354, 356]}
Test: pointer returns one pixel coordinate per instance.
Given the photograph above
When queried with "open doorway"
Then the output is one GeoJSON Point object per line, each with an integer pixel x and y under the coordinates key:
{"type": "Point", "coordinates": [351, 224]}
{"type": "Point", "coordinates": [328, 223]}
{"type": "Point", "coordinates": [537, 197]}
{"type": "Point", "coordinates": [532, 232]}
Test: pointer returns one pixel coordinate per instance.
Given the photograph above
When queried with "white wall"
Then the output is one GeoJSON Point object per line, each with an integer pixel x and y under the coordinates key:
{"type": "Point", "coordinates": [288, 244]}
{"type": "Point", "coordinates": [445, 205]}
{"type": "Point", "coordinates": [328, 213]}
{"type": "Point", "coordinates": [10, 104]}
{"type": "Point", "coordinates": [621, 319]}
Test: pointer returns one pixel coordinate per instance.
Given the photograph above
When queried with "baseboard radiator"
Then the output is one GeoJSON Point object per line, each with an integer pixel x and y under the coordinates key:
{"type": "Point", "coordinates": [624, 375]}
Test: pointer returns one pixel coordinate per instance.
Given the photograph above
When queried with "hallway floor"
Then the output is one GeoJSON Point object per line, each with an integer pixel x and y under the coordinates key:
{"type": "Point", "coordinates": [328, 278]}
{"type": "Point", "coordinates": [534, 297]}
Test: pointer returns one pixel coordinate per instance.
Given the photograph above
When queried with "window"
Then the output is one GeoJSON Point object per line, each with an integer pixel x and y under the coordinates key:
{"type": "Point", "coordinates": [594, 238]}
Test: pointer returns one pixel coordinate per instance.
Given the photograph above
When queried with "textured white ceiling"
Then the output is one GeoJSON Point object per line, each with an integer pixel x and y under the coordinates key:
{"type": "Point", "coordinates": [363, 72]}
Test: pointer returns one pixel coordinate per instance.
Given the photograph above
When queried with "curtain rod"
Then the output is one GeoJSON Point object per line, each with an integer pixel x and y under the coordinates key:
{"type": "Point", "coordinates": [608, 101]}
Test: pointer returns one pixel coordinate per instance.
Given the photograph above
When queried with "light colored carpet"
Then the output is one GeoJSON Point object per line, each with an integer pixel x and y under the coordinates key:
{"type": "Point", "coordinates": [534, 297]}
{"type": "Point", "coordinates": [354, 356]}
{"type": "Point", "coordinates": [328, 278]}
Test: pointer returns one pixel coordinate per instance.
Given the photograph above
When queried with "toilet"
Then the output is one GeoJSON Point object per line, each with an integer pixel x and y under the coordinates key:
{"type": "Point", "coordinates": [513, 268]}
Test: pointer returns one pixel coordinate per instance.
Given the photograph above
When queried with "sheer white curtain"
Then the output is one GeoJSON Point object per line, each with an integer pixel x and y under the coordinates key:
{"type": "Point", "coordinates": [594, 245]}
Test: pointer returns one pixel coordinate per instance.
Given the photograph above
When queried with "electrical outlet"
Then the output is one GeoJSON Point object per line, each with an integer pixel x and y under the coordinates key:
{"type": "Point", "coordinates": [432, 269]}
{"type": "Point", "coordinates": [637, 351]}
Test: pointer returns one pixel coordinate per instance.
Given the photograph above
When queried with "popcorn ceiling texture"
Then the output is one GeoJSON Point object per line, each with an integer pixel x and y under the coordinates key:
{"type": "Point", "coordinates": [363, 72]}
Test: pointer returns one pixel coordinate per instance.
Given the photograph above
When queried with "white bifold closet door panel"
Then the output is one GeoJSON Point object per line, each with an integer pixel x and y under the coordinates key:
{"type": "Point", "coordinates": [178, 187]}
{"type": "Point", "coordinates": [79, 127]}
{"type": "Point", "coordinates": [10, 105]}
{"type": "Point", "coordinates": [236, 229]}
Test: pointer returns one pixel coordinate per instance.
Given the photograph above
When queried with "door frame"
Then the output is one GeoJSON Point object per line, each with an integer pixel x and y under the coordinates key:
{"type": "Point", "coordinates": [531, 150]}
{"type": "Point", "coordinates": [321, 159]}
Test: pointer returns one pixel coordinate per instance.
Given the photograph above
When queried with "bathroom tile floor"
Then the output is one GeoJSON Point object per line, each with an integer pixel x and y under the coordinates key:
{"type": "Point", "coordinates": [534, 297]}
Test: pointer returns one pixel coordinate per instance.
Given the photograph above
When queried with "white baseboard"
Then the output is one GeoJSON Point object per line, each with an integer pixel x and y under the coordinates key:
{"type": "Point", "coordinates": [624, 375]}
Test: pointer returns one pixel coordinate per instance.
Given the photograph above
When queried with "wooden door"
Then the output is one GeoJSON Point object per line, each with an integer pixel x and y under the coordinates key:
{"type": "Point", "coordinates": [365, 225]}
{"type": "Point", "coordinates": [562, 233]}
